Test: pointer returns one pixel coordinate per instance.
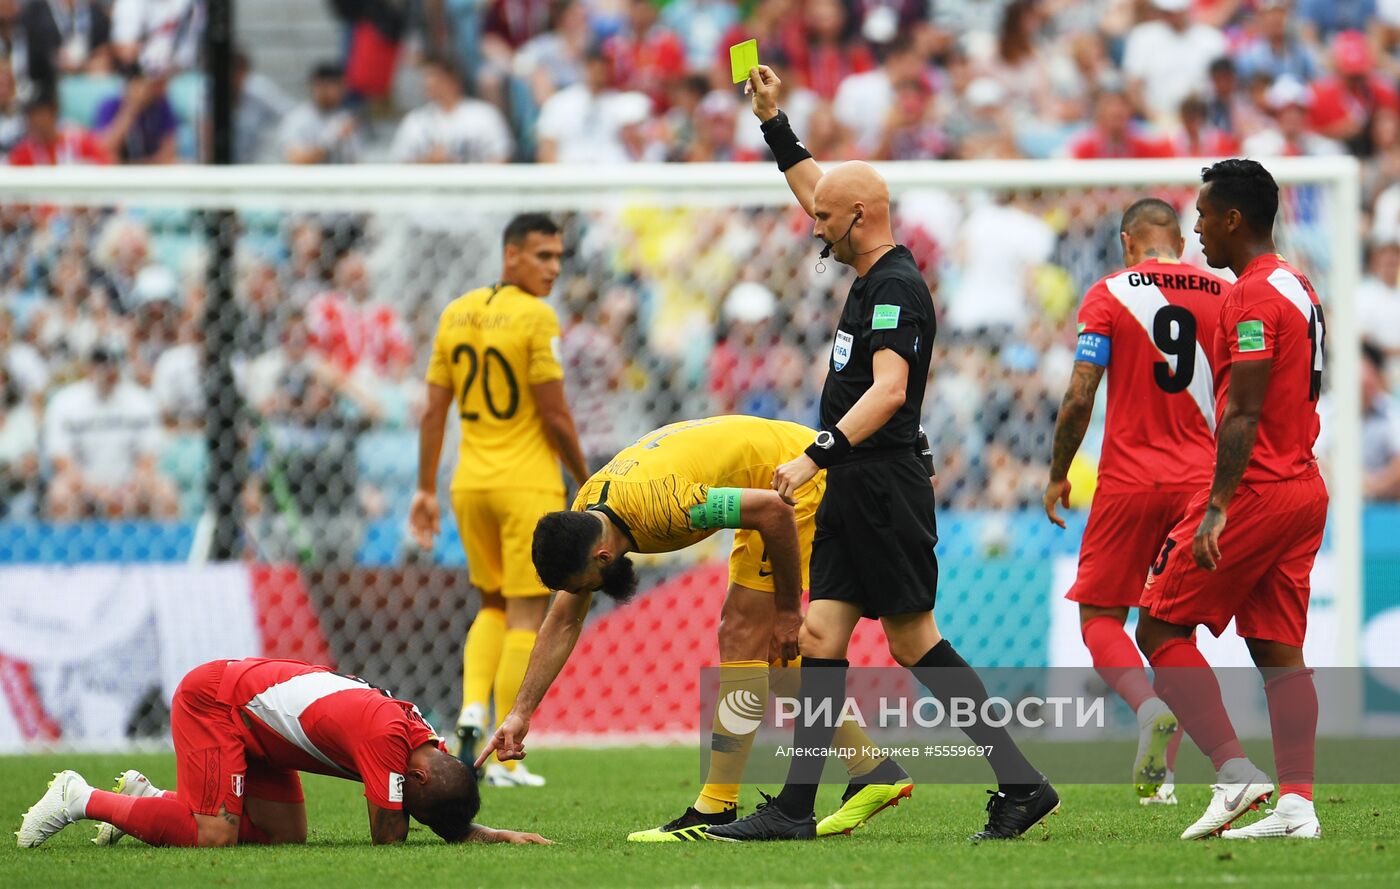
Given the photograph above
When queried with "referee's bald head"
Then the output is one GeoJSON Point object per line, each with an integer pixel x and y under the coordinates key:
{"type": "Point", "coordinates": [851, 206]}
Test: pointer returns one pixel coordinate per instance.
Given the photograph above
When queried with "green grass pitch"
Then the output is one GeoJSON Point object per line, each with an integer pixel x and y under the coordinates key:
{"type": "Point", "coordinates": [1101, 837]}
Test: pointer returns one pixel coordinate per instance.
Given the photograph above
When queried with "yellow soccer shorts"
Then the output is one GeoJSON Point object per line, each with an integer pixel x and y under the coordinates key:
{"type": "Point", "coordinates": [497, 528]}
{"type": "Point", "coordinates": [748, 563]}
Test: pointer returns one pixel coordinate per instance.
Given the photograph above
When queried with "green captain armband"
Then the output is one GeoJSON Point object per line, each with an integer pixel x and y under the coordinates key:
{"type": "Point", "coordinates": [720, 510]}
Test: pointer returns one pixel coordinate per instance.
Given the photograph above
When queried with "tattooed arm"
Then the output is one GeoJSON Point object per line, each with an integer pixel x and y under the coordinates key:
{"type": "Point", "coordinates": [1070, 426]}
{"type": "Point", "coordinates": [387, 826]}
{"type": "Point", "coordinates": [1234, 442]}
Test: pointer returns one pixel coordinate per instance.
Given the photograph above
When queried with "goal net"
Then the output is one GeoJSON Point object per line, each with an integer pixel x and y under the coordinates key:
{"type": "Point", "coordinates": [212, 384]}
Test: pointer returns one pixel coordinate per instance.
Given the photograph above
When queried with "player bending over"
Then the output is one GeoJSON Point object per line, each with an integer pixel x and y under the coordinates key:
{"type": "Point", "coordinates": [242, 730]}
{"type": "Point", "coordinates": [1151, 328]}
{"type": "Point", "coordinates": [1256, 568]}
{"type": "Point", "coordinates": [673, 488]}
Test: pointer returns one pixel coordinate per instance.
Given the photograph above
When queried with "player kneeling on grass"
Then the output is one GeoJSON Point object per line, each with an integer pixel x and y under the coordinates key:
{"type": "Point", "coordinates": [243, 729]}
{"type": "Point", "coordinates": [673, 488]}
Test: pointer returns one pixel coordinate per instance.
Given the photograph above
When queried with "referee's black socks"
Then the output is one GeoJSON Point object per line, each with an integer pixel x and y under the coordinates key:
{"type": "Point", "coordinates": [822, 695]}
{"type": "Point", "coordinates": [947, 676]}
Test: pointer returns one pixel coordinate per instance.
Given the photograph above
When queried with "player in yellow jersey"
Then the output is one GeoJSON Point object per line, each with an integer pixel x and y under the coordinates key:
{"type": "Point", "coordinates": [495, 363]}
{"type": "Point", "coordinates": [673, 488]}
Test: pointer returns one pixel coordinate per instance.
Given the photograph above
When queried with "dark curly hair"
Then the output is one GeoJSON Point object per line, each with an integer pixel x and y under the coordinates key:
{"type": "Point", "coordinates": [1244, 185]}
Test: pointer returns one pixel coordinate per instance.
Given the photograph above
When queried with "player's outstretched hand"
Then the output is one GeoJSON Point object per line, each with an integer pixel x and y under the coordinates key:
{"type": "Point", "coordinates": [1056, 492]}
{"type": "Point", "coordinates": [792, 475]}
{"type": "Point", "coordinates": [786, 626]}
{"type": "Point", "coordinates": [423, 519]}
{"type": "Point", "coordinates": [508, 742]}
{"type": "Point", "coordinates": [763, 89]}
{"type": "Point", "coordinates": [518, 838]}
{"type": "Point", "coordinates": [1206, 546]}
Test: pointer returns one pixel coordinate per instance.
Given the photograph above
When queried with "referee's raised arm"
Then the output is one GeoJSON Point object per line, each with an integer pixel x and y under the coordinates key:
{"type": "Point", "coordinates": [792, 156]}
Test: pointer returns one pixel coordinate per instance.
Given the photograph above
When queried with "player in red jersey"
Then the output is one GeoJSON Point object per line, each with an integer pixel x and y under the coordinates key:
{"type": "Point", "coordinates": [242, 731]}
{"type": "Point", "coordinates": [1150, 327]}
{"type": "Point", "coordinates": [1255, 567]}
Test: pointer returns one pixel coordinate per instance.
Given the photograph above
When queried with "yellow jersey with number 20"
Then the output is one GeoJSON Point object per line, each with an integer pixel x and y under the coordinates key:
{"type": "Point", "coordinates": [491, 346]}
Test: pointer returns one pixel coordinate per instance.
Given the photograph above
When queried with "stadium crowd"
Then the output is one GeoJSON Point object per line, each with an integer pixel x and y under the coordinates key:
{"type": "Point", "coordinates": [668, 313]}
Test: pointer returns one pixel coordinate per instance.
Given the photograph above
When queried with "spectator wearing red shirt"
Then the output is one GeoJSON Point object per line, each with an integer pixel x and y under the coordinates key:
{"type": "Point", "coordinates": [1195, 137]}
{"type": "Point", "coordinates": [1113, 133]}
{"type": "Point", "coordinates": [1344, 104]}
{"type": "Point", "coordinates": [820, 51]}
{"type": "Point", "coordinates": [46, 143]}
{"type": "Point", "coordinates": [646, 57]}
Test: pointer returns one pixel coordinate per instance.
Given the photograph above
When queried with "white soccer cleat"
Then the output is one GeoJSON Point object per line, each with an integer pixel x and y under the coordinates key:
{"type": "Point", "coordinates": [1229, 801]}
{"type": "Point", "coordinates": [1165, 795]}
{"type": "Point", "coordinates": [471, 732]}
{"type": "Point", "coordinates": [1156, 727]}
{"type": "Point", "coordinates": [129, 783]}
{"type": "Point", "coordinates": [498, 775]}
{"type": "Point", "coordinates": [1294, 818]}
{"type": "Point", "coordinates": [52, 812]}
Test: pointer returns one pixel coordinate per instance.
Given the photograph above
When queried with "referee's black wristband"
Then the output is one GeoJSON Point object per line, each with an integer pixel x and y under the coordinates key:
{"type": "Point", "coordinates": [830, 448]}
{"type": "Point", "coordinates": [782, 141]}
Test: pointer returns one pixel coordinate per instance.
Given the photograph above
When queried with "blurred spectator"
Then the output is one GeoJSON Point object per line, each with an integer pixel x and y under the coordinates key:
{"type": "Point", "coordinates": [701, 25]}
{"type": "Point", "coordinates": [1195, 137]}
{"type": "Point", "coordinates": [1290, 135]}
{"type": "Point", "coordinates": [177, 381]}
{"type": "Point", "coordinates": [25, 369]}
{"type": "Point", "coordinates": [910, 132]}
{"type": "Point", "coordinates": [11, 110]}
{"type": "Point", "coordinates": [1114, 134]}
{"type": "Point", "coordinates": [258, 108]}
{"type": "Point", "coordinates": [76, 318]}
{"type": "Point", "coordinates": [1322, 19]}
{"type": "Point", "coordinates": [321, 130]}
{"type": "Point", "coordinates": [154, 297]}
{"type": "Point", "coordinates": [123, 249]}
{"type": "Point", "coordinates": [19, 451]}
{"type": "Point", "coordinates": [819, 49]}
{"type": "Point", "coordinates": [1225, 108]}
{"type": "Point", "coordinates": [47, 143]}
{"type": "Point", "coordinates": [158, 36]}
{"type": "Point", "coordinates": [585, 123]}
{"type": "Point", "coordinates": [1380, 429]}
{"type": "Point", "coordinates": [717, 118]}
{"type": "Point", "coordinates": [1000, 247]}
{"type": "Point", "coordinates": [138, 125]}
{"type": "Point", "coordinates": [450, 128]}
{"type": "Point", "coordinates": [65, 37]}
{"type": "Point", "coordinates": [1344, 104]}
{"type": "Point", "coordinates": [863, 101]}
{"type": "Point", "coordinates": [646, 57]}
{"type": "Point", "coordinates": [979, 124]}
{"type": "Point", "coordinates": [1167, 59]}
{"type": "Point", "coordinates": [1275, 49]}
{"type": "Point", "coordinates": [553, 60]}
{"type": "Point", "coordinates": [102, 437]}
{"type": "Point", "coordinates": [739, 381]}
{"type": "Point", "coordinates": [374, 32]}
{"type": "Point", "coordinates": [1378, 295]}
{"type": "Point", "coordinates": [349, 328]}
{"type": "Point", "coordinates": [1018, 64]}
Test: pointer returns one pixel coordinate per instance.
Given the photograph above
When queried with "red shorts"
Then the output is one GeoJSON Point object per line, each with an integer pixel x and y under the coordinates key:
{"type": "Point", "coordinates": [1124, 534]}
{"type": "Point", "coordinates": [213, 770]}
{"type": "Point", "coordinates": [1273, 531]}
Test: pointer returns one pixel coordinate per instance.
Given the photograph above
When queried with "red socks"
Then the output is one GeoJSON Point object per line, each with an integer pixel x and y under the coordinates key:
{"type": "Point", "coordinates": [1293, 720]}
{"type": "Point", "coordinates": [1188, 686]}
{"type": "Point", "coordinates": [1117, 660]}
{"type": "Point", "coordinates": [154, 820]}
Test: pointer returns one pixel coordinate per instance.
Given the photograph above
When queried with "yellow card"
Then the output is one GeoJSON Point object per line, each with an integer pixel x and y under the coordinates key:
{"type": "Point", "coordinates": [742, 58]}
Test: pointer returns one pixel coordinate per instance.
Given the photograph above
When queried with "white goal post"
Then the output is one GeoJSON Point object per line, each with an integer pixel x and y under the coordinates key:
{"type": "Point", "coordinates": [413, 188]}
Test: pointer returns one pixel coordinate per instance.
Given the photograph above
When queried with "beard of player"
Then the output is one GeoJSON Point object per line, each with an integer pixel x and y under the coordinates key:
{"type": "Point", "coordinates": [619, 579]}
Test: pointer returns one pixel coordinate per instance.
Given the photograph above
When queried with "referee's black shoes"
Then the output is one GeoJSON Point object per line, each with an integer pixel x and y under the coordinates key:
{"type": "Point", "coordinates": [768, 822]}
{"type": "Point", "coordinates": [1010, 816]}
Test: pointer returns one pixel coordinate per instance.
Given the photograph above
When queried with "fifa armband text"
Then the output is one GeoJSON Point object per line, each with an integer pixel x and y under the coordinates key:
{"type": "Point", "coordinates": [830, 448]}
{"type": "Point", "coordinates": [783, 142]}
{"type": "Point", "coordinates": [720, 510]}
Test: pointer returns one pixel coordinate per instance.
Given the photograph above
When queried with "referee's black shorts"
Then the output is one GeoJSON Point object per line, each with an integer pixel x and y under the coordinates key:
{"type": "Point", "coordinates": [875, 535]}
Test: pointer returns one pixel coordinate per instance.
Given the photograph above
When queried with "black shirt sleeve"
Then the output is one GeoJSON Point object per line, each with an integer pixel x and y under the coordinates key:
{"type": "Point", "coordinates": [896, 321]}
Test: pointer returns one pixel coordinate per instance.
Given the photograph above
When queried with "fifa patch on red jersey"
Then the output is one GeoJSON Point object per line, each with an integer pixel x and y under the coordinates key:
{"type": "Point", "coordinates": [1251, 336]}
{"type": "Point", "coordinates": [395, 787]}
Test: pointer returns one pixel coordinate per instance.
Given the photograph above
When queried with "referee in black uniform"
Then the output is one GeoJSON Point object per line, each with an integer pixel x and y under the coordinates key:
{"type": "Point", "coordinates": [872, 555]}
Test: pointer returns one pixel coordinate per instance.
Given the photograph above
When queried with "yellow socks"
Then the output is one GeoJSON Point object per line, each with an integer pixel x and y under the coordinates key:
{"type": "Point", "coordinates": [515, 657]}
{"type": "Point", "coordinates": [481, 655]}
{"type": "Point", "coordinates": [743, 696]}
